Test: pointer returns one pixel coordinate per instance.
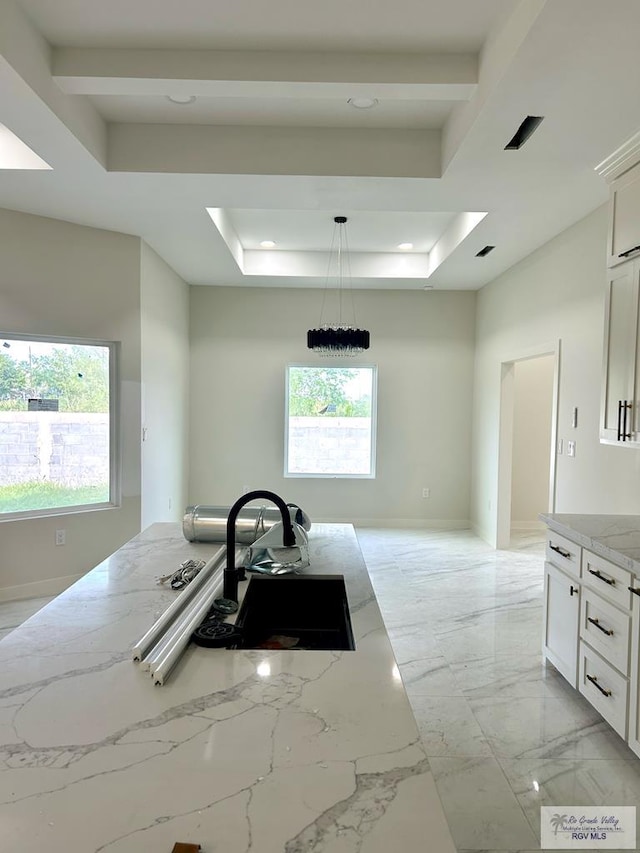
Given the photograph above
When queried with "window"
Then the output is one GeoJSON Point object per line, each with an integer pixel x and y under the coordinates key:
{"type": "Point", "coordinates": [330, 421]}
{"type": "Point", "coordinates": [57, 425]}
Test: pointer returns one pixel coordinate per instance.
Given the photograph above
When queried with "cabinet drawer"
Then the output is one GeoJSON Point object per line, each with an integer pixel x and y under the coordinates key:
{"type": "Point", "coordinates": [564, 553]}
{"type": "Point", "coordinates": [606, 629]}
{"type": "Point", "coordinates": [607, 579]}
{"type": "Point", "coordinates": [605, 688]}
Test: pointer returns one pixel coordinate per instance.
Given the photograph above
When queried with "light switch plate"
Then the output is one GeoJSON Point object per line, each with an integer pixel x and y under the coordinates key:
{"type": "Point", "coordinates": [560, 447]}
{"type": "Point", "coordinates": [571, 448]}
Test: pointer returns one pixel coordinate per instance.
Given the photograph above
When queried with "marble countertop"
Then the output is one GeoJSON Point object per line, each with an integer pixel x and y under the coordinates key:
{"type": "Point", "coordinates": [320, 752]}
{"type": "Point", "coordinates": [615, 537]}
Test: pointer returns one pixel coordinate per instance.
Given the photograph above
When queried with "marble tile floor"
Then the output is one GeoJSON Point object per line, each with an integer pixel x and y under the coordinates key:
{"type": "Point", "coordinates": [504, 734]}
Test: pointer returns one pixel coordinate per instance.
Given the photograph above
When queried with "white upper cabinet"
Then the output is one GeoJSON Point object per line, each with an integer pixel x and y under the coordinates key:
{"type": "Point", "coordinates": [624, 217]}
{"type": "Point", "coordinates": [619, 418]}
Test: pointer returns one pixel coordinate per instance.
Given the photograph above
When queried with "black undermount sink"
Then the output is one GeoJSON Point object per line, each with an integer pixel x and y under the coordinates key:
{"type": "Point", "coordinates": [295, 612]}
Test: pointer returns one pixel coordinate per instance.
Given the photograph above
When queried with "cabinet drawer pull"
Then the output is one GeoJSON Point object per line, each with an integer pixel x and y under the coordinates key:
{"type": "Point", "coordinates": [634, 590]}
{"type": "Point", "coordinates": [619, 436]}
{"type": "Point", "coordinates": [594, 681]}
{"type": "Point", "coordinates": [596, 573]}
{"type": "Point", "coordinates": [626, 407]}
{"type": "Point", "coordinates": [628, 252]}
{"type": "Point", "coordinates": [573, 589]}
{"type": "Point", "coordinates": [561, 551]}
{"type": "Point", "coordinates": [598, 625]}
{"type": "Point", "coordinates": [623, 414]}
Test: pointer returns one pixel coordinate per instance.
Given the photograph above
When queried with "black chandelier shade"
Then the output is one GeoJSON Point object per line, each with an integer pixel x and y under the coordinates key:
{"type": "Point", "coordinates": [337, 340]}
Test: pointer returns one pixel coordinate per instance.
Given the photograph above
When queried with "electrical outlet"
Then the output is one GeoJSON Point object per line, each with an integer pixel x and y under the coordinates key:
{"type": "Point", "coordinates": [426, 493]}
{"type": "Point", "coordinates": [571, 448]}
{"type": "Point", "coordinates": [61, 537]}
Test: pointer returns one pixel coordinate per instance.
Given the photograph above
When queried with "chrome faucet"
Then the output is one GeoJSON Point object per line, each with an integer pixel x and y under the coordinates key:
{"type": "Point", "coordinates": [233, 573]}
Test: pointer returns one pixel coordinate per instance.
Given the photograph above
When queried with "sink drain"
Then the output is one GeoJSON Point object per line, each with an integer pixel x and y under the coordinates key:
{"type": "Point", "coordinates": [214, 635]}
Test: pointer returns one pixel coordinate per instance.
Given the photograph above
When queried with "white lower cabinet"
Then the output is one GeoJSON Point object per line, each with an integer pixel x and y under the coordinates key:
{"type": "Point", "coordinates": [592, 634]}
{"type": "Point", "coordinates": [634, 685]}
{"type": "Point", "coordinates": [561, 620]}
{"type": "Point", "coordinates": [605, 629]}
{"type": "Point", "coordinates": [605, 688]}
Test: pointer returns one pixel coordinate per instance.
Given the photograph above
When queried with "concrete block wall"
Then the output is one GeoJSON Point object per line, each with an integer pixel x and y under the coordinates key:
{"type": "Point", "coordinates": [71, 449]}
{"type": "Point", "coordinates": [329, 445]}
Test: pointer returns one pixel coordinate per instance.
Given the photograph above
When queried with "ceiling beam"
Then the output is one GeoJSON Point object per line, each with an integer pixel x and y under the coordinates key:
{"type": "Point", "coordinates": [498, 58]}
{"type": "Point", "coordinates": [240, 150]}
{"type": "Point", "coordinates": [81, 71]}
{"type": "Point", "coordinates": [28, 90]}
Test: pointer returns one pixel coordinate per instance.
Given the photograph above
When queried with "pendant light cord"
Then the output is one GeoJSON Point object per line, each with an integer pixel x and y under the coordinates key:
{"type": "Point", "coordinates": [326, 281]}
{"type": "Point", "coordinates": [341, 228]}
{"type": "Point", "coordinates": [342, 253]}
{"type": "Point", "coordinates": [350, 277]}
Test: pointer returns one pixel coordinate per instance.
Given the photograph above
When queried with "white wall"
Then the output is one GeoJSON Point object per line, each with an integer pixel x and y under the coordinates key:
{"type": "Point", "coordinates": [555, 293]}
{"type": "Point", "coordinates": [164, 298]}
{"type": "Point", "coordinates": [62, 279]}
{"type": "Point", "coordinates": [241, 341]}
{"type": "Point", "coordinates": [532, 412]}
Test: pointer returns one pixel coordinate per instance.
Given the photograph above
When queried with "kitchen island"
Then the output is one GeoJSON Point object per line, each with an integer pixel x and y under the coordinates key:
{"type": "Point", "coordinates": [268, 751]}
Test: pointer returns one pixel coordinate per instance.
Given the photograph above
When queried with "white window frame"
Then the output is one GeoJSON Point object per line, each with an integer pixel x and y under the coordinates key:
{"type": "Point", "coordinates": [374, 422]}
{"type": "Point", "coordinates": [115, 456]}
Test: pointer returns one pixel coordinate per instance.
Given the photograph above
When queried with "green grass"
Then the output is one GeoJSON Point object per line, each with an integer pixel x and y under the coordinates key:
{"type": "Point", "coordinates": [23, 497]}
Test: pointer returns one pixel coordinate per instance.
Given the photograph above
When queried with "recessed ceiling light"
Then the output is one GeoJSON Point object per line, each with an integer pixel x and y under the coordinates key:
{"type": "Point", "coordinates": [405, 246]}
{"type": "Point", "coordinates": [267, 244]}
{"type": "Point", "coordinates": [181, 99]}
{"type": "Point", "coordinates": [363, 103]}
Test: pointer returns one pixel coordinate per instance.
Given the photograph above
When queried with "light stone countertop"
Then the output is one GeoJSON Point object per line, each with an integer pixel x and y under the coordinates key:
{"type": "Point", "coordinates": [614, 537]}
{"type": "Point", "coordinates": [322, 754]}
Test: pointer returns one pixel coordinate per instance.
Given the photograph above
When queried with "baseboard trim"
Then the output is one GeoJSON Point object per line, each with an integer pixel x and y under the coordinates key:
{"type": "Point", "coordinates": [417, 523]}
{"type": "Point", "coordinates": [37, 589]}
{"type": "Point", "coordinates": [528, 525]}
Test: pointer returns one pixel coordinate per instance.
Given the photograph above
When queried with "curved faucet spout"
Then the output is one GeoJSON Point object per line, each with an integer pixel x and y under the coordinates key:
{"type": "Point", "coordinates": [232, 574]}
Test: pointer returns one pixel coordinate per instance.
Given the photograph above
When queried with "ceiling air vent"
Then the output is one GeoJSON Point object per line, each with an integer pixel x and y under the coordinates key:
{"type": "Point", "coordinates": [484, 252]}
{"type": "Point", "coordinates": [523, 133]}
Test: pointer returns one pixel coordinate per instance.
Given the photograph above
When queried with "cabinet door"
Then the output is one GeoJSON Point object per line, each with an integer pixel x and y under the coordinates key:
{"type": "Point", "coordinates": [619, 363]}
{"type": "Point", "coordinates": [634, 685]}
{"type": "Point", "coordinates": [624, 217]}
{"type": "Point", "coordinates": [561, 622]}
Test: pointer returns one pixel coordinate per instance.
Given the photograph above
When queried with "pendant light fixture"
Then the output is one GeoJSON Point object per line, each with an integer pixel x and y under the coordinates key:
{"type": "Point", "coordinates": [338, 338]}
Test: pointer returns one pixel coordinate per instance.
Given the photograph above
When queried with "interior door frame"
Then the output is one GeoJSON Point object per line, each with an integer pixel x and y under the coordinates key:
{"type": "Point", "coordinates": [505, 441]}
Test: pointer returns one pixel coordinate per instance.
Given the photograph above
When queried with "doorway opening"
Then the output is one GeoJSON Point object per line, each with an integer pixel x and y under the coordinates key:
{"type": "Point", "coordinates": [527, 459]}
